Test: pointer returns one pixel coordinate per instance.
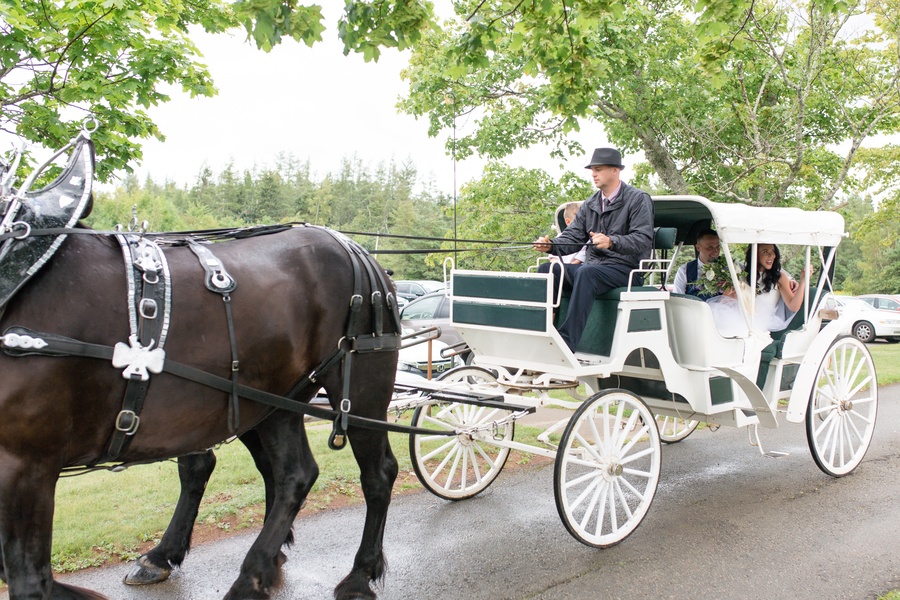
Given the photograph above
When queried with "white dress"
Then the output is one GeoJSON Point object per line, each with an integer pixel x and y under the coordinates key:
{"type": "Point", "coordinates": [770, 313]}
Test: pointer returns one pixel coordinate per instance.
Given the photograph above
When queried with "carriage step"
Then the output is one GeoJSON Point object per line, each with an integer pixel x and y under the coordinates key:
{"type": "Point", "coordinates": [775, 454]}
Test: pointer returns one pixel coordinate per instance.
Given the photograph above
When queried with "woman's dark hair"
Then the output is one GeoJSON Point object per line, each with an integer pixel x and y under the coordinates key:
{"type": "Point", "coordinates": [770, 278]}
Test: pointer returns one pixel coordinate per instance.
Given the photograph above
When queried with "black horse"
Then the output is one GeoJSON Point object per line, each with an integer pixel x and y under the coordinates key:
{"type": "Point", "coordinates": [289, 312]}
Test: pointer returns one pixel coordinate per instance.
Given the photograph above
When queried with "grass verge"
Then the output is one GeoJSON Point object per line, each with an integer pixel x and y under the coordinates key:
{"type": "Point", "coordinates": [105, 517]}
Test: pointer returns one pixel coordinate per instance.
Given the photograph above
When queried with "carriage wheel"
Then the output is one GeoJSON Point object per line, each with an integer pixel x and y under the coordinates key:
{"type": "Point", "coordinates": [842, 407]}
{"type": "Point", "coordinates": [674, 429]}
{"type": "Point", "coordinates": [459, 467]}
{"type": "Point", "coordinates": [607, 468]}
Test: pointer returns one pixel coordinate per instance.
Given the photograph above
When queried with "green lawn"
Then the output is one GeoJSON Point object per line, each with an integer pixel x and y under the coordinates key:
{"type": "Point", "coordinates": [887, 362]}
{"type": "Point", "coordinates": [109, 516]}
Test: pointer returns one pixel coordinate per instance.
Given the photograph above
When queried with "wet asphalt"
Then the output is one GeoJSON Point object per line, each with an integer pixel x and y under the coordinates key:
{"type": "Point", "coordinates": [726, 522]}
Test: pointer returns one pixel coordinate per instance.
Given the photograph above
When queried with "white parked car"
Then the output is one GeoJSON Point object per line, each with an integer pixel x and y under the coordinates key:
{"type": "Point", "coordinates": [413, 361]}
{"type": "Point", "coordinates": [868, 323]}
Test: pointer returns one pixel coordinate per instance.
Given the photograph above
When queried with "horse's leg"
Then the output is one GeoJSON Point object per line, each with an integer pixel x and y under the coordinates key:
{"type": "Point", "coordinates": [378, 470]}
{"type": "Point", "coordinates": [26, 527]}
{"type": "Point", "coordinates": [156, 565]}
{"type": "Point", "coordinates": [264, 466]}
{"type": "Point", "coordinates": [294, 471]}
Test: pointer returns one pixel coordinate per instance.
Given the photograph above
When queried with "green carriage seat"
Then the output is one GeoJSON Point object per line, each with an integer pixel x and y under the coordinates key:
{"type": "Point", "coordinates": [601, 324]}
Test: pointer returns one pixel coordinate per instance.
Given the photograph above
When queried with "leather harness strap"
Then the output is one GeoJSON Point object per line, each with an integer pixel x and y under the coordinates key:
{"type": "Point", "coordinates": [149, 303]}
{"type": "Point", "coordinates": [218, 280]}
{"type": "Point", "coordinates": [360, 259]}
{"type": "Point", "coordinates": [20, 341]}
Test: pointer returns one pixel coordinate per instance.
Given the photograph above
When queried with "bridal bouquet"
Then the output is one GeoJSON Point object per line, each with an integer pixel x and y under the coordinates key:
{"type": "Point", "coordinates": [714, 277]}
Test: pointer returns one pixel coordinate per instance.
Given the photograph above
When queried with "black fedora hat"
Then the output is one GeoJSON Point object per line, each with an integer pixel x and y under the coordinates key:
{"type": "Point", "coordinates": [606, 156]}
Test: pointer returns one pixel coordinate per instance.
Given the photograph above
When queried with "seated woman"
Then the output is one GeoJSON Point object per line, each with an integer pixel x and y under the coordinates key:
{"type": "Point", "coordinates": [777, 296]}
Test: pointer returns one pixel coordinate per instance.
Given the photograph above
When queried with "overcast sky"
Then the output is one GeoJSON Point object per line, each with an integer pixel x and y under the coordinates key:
{"type": "Point", "coordinates": [315, 103]}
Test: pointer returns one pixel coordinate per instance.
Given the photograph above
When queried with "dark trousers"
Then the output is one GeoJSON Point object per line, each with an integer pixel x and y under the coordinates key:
{"type": "Point", "coordinates": [587, 281]}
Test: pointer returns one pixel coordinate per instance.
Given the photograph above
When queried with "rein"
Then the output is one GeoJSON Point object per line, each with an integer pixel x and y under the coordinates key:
{"type": "Point", "coordinates": [178, 238]}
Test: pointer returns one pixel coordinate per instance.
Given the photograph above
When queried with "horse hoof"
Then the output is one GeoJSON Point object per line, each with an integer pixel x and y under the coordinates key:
{"type": "Point", "coordinates": [145, 573]}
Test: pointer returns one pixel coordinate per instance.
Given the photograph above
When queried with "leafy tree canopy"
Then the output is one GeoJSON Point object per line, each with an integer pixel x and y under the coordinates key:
{"type": "Point", "coordinates": [61, 60]}
{"type": "Point", "coordinates": [767, 102]}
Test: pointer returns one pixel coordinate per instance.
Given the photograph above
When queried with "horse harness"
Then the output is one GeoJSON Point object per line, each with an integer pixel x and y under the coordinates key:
{"type": "Point", "coordinates": [149, 291]}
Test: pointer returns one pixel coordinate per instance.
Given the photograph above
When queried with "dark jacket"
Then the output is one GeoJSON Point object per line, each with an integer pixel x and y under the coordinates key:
{"type": "Point", "coordinates": [628, 222]}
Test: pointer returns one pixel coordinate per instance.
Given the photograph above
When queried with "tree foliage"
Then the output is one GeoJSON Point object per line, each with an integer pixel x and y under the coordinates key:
{"type": "Point", "coordinates": [776, 119]}
{"type": "Point", "coordinates": [384, 200]}
{"type": "Point", "coordinates": [60, 61]}
{"type": "Point", "coordinates": [511, 204]}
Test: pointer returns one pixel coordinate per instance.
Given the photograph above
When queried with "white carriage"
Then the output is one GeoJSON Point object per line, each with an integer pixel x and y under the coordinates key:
{"type": "Point", "coordinates": [650, 367]}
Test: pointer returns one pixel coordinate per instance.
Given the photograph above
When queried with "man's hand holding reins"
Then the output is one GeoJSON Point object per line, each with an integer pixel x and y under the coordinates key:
{"type": "Point", "coordinates": [542, 244]}
{"type": "Point", "coordinates": [600, 241]}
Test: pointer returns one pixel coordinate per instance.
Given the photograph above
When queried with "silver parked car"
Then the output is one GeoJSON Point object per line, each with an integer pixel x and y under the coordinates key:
{"type": "Point", "coordinates": [410, 289]}
{"type": "Point", "coordinates": [433, 310]}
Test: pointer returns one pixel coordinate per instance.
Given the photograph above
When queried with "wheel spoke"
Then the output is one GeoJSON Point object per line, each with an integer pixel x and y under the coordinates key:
{"type": "Point", "coordinates": [450, 455]}
{"type": "Point", "coordinates": [862, 384]}
{"type": "Point", "coordinates": [457, 457]}
{"type": "Point", "coordinates": [633, 457]}
{"type": "Point", "coordinates": [484, 455]}
{"type": "Point", "coordinates": [827, 420]}
{"type": "Point", "coordinates": [622, 499]}
{"type": "Point", "coordinates": [624, 434]}
{"type": "Point", "coordinates": [606, 438]}
{"type": "Point", "coordinates": [632, 489]}
{"type": "Point", "coordinates": [601, 515]}
{"type": "Point", "coordinates": [452, 442]}
{"type": "Point", "coordinates": [830, 438]}
{"type": "Point", "coordinates": [634, 440]}
{"type": "Point", "coordinates": [825, 392]}
{"type": "Point", "coordinates": [580, 479]}
{"type": "Point", "coordinates": [613, 514]}
{"type": "Point", "coordinates": [852, 425]}
{"type": "Point", "coordinates": [589, 489]}
{"type": "Point", "coordinates": [429, 420]}
{"type": "Point", "coordinates": [591, 449]}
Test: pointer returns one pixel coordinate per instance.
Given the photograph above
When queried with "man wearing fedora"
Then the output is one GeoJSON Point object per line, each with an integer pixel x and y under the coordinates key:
{"type": "Point", "coordinates": [616, 225]}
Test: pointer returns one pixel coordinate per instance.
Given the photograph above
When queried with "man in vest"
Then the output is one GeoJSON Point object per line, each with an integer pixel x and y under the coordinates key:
{"type": "Point", "coordinates": [616, 226]}
{"type": "Point", "coordinates": [707, 248]}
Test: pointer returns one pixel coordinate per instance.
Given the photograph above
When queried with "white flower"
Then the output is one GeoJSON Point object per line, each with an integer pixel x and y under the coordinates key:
{"type": "Point", "coordinates": [710, 274]}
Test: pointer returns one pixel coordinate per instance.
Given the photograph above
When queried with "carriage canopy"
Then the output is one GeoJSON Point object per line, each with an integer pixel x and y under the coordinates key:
{"type": "Point", "coordinates": [744, 224]}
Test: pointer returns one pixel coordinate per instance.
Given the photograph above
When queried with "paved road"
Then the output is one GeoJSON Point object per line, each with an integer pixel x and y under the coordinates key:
{"type": "Point", "coordinates": [726, 523]}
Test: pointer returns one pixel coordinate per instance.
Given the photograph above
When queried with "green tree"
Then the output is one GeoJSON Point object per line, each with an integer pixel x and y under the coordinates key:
{"type": "Point", "coordinates": [511, 204]}
{"type": "Point", "coordinates": [757, 119]}
{"type": "Point", "coordinates": [60, 61]}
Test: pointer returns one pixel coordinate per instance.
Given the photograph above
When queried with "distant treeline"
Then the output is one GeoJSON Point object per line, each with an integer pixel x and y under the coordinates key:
{"type": "Point", "coordinates": [508, 204]}
{"type": "Point", "coordinates": [384, 199]}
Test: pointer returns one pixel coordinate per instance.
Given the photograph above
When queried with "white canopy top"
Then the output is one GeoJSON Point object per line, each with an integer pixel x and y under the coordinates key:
{"type": "Point", "coordinates": [743, 224]}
